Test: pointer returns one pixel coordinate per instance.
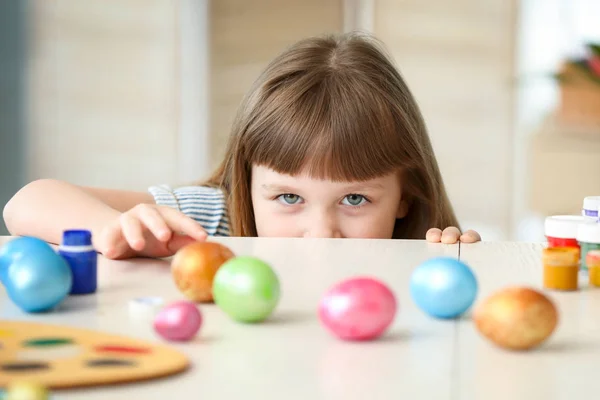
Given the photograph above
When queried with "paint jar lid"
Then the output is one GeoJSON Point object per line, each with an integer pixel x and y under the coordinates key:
{"type": "Point", "coordinates": [562, 226]}
{"type": "Point", "coordinates": [77, 237]}
{"type": "Point", "coordinates": [145, 308]}
{"type": "Point", "coordinates": [588, 232]}
{"type": "Point", "coordinates": [591, 203]}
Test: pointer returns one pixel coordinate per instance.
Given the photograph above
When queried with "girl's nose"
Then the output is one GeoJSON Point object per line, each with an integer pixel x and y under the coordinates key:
{"type": "Point", "coordinates": [322, 227]}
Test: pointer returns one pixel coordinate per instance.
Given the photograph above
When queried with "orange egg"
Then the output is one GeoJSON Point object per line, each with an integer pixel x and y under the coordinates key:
{"type": "Point", "coordinates": [194, 267]}
{"type": "Point", "coordinates": [516, 318]}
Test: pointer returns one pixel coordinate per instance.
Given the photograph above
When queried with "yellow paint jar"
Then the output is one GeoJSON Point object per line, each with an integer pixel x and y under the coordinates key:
{"type": "Point", "coordinates": [592, 259]}
{"type": "Point", "coordinates": [561, 268]}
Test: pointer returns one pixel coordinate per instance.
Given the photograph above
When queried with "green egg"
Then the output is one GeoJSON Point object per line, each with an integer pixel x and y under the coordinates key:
{"type": "Point", "coordinates": [246, 288]}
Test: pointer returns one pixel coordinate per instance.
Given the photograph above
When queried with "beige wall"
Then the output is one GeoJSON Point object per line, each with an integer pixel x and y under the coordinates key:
{"type": "Point", "coordinates": [245, 36]}
{"type": "Point", "coordinates": [457, 58]}
{"type": "Point", "coordinates": [563, 168]}
{"type": "Point", "coordinates": [103, 90]}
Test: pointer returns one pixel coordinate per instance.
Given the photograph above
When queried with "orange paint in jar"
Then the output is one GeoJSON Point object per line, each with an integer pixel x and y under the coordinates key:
{"type": "Point", "coordinates": [592, 259]}
{"type": "Point", "coordinates": [561, 268]}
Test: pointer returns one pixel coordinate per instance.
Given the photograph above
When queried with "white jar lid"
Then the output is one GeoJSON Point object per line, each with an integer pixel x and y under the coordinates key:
{"type": "Point", "coordinates": [591, 203]}
{"type": "Point", "coordinates": [145, 308]}
{"type": "Point", "coordinates": [589, 232]}
{"type": "Point", "coordinates": [562, 226]}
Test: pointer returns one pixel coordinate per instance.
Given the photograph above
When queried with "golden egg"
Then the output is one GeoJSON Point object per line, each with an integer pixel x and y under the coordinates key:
{"type": "Point", "coordinates": [194, 267]}
{"type": "Point", "coordinates": [516, 318]}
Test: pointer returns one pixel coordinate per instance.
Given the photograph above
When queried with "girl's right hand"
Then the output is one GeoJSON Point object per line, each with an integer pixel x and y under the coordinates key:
{"type": "Point", "coordinates": [148, 230]}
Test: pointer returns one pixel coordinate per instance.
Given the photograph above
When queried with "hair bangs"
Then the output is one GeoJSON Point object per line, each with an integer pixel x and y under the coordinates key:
{"type": "Point", "coordinates": [331, 131]}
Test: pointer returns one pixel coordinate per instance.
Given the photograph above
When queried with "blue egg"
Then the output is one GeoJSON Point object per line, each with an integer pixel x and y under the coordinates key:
{"type": "Point", "coordinates": [16, 248]}
{"type": "Point", "coordinates": [38, 281]}
{"type": "Point", "coordinates": [443, 287]}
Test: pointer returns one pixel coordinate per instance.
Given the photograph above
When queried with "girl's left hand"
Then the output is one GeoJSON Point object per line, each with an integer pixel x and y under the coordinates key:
{"type": "Point", "coordinates": [451, 235]}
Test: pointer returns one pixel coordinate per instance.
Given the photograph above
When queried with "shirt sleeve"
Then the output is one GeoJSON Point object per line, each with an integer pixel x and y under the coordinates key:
{"type": "Point", "coordinates": [205, 205]}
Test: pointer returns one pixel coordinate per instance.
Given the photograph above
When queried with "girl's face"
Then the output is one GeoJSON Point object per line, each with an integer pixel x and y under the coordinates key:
{"type": "Point", "coordinates": [301, 206]}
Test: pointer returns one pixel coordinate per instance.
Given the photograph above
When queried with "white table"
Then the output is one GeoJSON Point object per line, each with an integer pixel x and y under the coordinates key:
{"type": "Point", "coordinates": [293, 357]}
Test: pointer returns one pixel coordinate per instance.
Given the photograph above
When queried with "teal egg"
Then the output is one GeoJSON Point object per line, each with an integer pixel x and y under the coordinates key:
{"type": "Point", "coordinates": [17, 248]}
{"type": "Point", "coordinates": [36, 278]}
{"type": "Point", "coordinates": [246, 288]}
{"type": "Point", "coordinates": [443, 287]}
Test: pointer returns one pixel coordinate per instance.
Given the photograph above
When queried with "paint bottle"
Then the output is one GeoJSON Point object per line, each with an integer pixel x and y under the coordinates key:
{"type": "Point", "coordinates": [77, 249]}
{"type": "Point", "coordinates": [561, 268]}
{"type": "Point", "coordinates": [591, 205]}
{"type": "Point", "coordinates": [561, 230]}
{"type": "Point", "coordinates": [593, 263]}
{"type": "Point", "coordinates": [588, 236]}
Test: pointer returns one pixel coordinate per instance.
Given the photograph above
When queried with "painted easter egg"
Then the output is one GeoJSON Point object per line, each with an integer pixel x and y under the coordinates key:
{"type": "Point", "coordinates": [16, 248]}
{"type": "Point", "coordinates": [516, 318]}
{"type": "Point", "coordinates": [38, 281]}
{"type": "Point", "coordinates": [247, 289]}
{"type": "Point", "coordinates": [194, 267]}
{"type": "Point", "coordinates": [360, 308]}
{"type": "Point", "coordinates": [178, 321]}
{"type": "Point", "coordinates": [443, 287]}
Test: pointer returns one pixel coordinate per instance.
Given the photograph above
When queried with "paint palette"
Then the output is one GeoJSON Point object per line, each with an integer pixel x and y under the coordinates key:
{"type": "Point", "coordinates": [64, 357]}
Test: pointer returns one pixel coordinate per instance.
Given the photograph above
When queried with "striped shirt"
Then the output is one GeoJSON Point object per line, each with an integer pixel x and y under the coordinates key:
{"type": "Point", "coordinates": [203, 204]}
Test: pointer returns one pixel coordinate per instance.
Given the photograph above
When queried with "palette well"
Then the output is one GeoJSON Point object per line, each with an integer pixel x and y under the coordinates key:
{"type": "Point", "coordinates": [63, 357]}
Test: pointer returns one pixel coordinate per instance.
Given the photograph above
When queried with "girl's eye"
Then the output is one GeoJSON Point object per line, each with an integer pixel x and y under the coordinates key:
{"type": "Point", "coordinates": [355, 199]}
{"type": "Point", "coordinates": [289, 198]}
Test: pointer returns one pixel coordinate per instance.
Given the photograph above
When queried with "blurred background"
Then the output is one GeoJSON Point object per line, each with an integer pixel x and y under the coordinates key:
{"type": "Point", "coordinates": [131, 93]}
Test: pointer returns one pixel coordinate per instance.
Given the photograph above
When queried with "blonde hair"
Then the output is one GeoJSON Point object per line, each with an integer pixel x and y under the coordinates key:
{"type": "Point", "coordinates": [337, 106]}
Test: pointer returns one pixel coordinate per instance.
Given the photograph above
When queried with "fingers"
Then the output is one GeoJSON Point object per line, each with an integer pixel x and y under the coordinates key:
{"type": "Point", "coordinates": [181, 223]}
{"type": "Point", "coordinates": [178, 241]}
{"type": "Point", "coordinates": [152, 219]}
{"type": "Point", "coordinates": [150, 230]}
{"type": "Point", "coordinates": [450, 235]}
{"type": "Point", "coordinates": [434, 235]}
{"type": "Point", "coordinates": [162, 222]}
{"type": "Point", "coordinates": [132, 231]}
{"type": "Point", "coordinates": [111, 242]}
{"type": "Point", "coordinates": [470, 236]}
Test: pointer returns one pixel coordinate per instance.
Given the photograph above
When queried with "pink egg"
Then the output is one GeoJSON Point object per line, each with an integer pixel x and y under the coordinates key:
{"type": "Point", "coordinates": [179, 321]}
{"type": "Point", "coordinates": [358, 309]}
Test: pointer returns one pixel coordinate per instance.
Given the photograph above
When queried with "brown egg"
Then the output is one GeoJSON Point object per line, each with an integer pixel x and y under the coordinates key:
{"type": "Point", "coordinates": [516, 318]}
{"type": "Point", "coordinates": [194, 267]}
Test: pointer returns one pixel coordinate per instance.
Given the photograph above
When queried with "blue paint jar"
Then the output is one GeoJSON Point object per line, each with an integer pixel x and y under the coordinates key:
{"type": "Point", "coordinates": [77, 249]}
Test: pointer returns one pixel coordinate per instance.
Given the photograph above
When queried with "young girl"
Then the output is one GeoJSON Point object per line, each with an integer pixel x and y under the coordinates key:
{"type": "Point", "coordinates": [329, 142]}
